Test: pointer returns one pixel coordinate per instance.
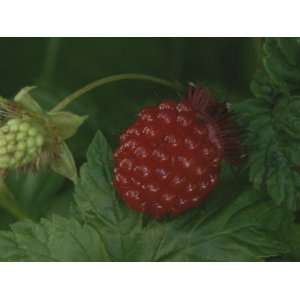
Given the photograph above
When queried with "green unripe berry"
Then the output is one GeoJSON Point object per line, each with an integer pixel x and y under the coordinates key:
{"type": "Point", "coordinates": [21, 146]}
{"type": "Point", "coordinates": [19, 155]}
{"type": "Point", "coordinates": [13, 122]}
{"type": "Point", "coordinates": [24, 126]}
{"type": "Point", "coordinates": [11, 148]}
{"type": "Point", "coordinates": [4, 161]}
{"type": "Point", "coordinates": [33, 131]}
{"type": "Point", "coordinates": [12, 162]}
{"type": "Point", "coordinates": [3, 142]}
{"type": "Point", "coordinates": [10, 137]}
{"type": "Point", "coordinates": [21, 142]}
{"type": "Point", "coordinates": [5, 129]}
{"type": "Point", "coordinates": [31, 142]}
{"type": "Point", "coordinates": [21, 136]}
{"type": "Point", "coordinates": [13, 125]}
{"type": "Point", "coordinates": [3, 151]}
{"type": "Point", "coordinates": [32, 151]}
{"type": "Point", "coordinates": [39, 140]}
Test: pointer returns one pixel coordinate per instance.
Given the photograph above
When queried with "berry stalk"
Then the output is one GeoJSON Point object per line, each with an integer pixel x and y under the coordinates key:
{"type": "Point", "coordinates": [114, 78]}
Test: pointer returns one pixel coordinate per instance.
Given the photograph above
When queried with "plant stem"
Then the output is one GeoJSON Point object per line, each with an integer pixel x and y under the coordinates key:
{"type": "Point", "coordinates": [114, 78]}
{"type": "Point", "coordinates": [50, 61]}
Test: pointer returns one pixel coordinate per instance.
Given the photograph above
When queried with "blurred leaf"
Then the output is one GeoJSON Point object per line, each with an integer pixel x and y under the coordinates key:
{"type": "Point", "coordinates": [292, 236]}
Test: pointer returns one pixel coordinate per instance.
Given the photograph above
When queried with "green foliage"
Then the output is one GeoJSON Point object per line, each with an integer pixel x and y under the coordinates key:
{"type": "Point", "coordinates": [272, 121]}
{"type": "Point", "coordinates": [59, 66]}
{"type": "Point", "coordinates": [36, 193]}
{"type": "Point", "coordinates": [240, 221]}
{"type": "Point", "coordinates": [282, 62]}
{"type": "Point", "coordinates": [56, 239]}
{"type": "Point", "coordinates": [242, 228]}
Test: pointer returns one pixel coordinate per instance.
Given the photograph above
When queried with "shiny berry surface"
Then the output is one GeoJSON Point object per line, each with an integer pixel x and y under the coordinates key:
{"type": "Point", "coordinates": [168, 161]}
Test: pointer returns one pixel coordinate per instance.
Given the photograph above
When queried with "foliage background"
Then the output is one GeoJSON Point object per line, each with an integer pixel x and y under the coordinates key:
{"type": "Point", "coordinates": [61, 65]}
{"type": "Point", "coordinates": [250, 227]}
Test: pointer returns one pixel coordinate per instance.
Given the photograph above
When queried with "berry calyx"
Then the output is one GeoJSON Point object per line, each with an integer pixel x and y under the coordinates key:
{"type": "Point", "coordinates": [168, 161]}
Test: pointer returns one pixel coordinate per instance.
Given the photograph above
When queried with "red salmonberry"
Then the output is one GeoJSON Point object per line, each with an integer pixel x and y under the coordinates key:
{"type": "Point", "coordinates": [168, 161]}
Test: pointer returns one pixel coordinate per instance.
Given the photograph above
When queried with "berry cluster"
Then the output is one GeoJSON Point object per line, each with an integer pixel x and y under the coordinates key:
{"type": "Point", "coordinates": [168, 160]}
{"type": "Point", "coordinates": [21, 141]}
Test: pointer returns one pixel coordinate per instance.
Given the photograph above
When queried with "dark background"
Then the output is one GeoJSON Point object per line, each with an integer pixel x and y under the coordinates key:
{"type": "Point", "coordinates": [59, 66]}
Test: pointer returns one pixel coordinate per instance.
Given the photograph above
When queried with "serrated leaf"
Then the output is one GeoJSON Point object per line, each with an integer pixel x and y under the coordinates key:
{"type": "Point", "coordinates": [291, 150]}
{"type": "Point", "coordinates": [282, 186]}
{"type": "Point", "coordinates": [261, 86]}
{"type": "Point", "coordinates": [281, 61]}
{"type": "Point", "coordinates": [200, 235]}
{"type": "Point", "coordinates": [241, 229]}
{"type": "Point", "coordinates": [65, 164]}
{"type": "Point", "coordinates": [290, 49]}
{"type": "Point", "coordinates": [273, 142]}
{"type": "Point", "coordinates": [26, 100]}
{"type": "Point", "coordinates": [287, 114]}
{"type": "Point", "coordinates": [67, 123]}
{"type": "Point", "coordinates": [55, 239]}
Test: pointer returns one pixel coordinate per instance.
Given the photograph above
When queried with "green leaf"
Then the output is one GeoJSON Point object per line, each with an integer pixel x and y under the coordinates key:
{"type": "Point", "coordinates": [282, 62]}
{"type": "Point", "coordinates": [8, 201]}
{"type": "Point", "coordinates": [35, 192]}
{"type": "Point", "coordinates": [65, 164]}
{"type": "Point", "coordinates": [240, 230]}
{"type": "Point", "coordinates": [291, 233]}
{"type": "Point", "coordinates": [283, 182]}
{"type": "Point", "coordinates": [273, 139]}
{"type": "Point", "coordinates": [54, 239]}
{"type": "Point", "coordinates": [26, 100]}
{"type": "Point", "coordinates": [261, 86]}
{"type": "Point", "coordinates": [75, 62]}
{"type": "Point", "coordinates": [100, 155]}
{"type": "Point", "coordinates": [273, 121]}
{"type": "Point", "coordinates": [287, 115]}
{"type": "Point", "coordinates": [67, 123]}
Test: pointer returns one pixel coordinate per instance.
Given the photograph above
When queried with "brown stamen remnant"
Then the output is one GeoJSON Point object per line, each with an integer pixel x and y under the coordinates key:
{"type": "Point", "coordinates": [220, 123]}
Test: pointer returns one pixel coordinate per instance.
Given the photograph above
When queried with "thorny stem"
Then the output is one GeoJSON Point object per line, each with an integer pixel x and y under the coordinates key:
{"type": "Point", "coordinates": [114, 78]}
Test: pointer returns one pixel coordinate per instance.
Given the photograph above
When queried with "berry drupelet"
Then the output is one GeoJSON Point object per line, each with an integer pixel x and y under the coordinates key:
{"type": "Point", "coordinates": [169, 160]}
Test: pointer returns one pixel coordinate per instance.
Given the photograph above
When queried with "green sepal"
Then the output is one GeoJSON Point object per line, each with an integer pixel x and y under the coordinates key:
{"type": "Point", "coordinates": [67, 123]}
{"type": "Point", "coordinates": [27, 101]}
{"type": "Point", "coordinates": [65, 164]}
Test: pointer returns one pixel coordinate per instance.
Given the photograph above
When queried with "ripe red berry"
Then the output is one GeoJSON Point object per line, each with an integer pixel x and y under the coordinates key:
{"type": "Point", "coordinates": [169, 160]}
